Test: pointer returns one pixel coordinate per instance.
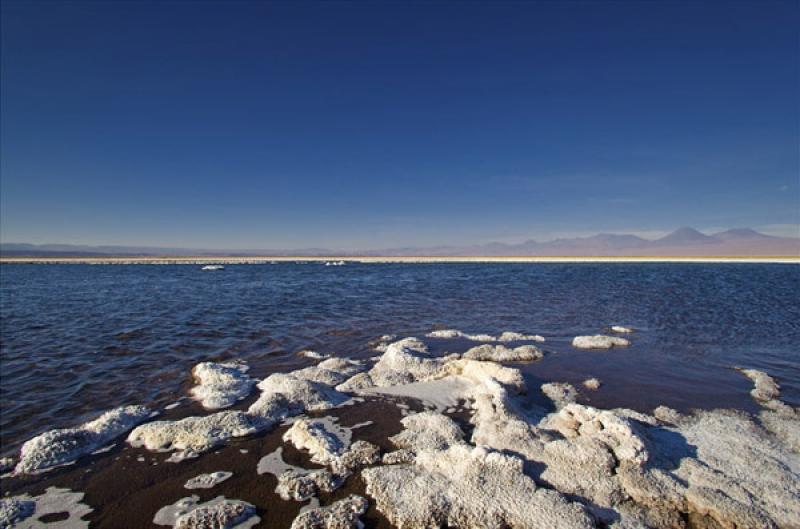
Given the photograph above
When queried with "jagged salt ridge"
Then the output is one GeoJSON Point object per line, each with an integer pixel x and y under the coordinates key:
{"type": "Point", "coordinates": [624, 467]}
{"type": "Point", "coordinates": [63, 446]}
{"type": "Point", "coordinates": [221, 385]}
{"type": "Point", "coordinates": [343, 514]}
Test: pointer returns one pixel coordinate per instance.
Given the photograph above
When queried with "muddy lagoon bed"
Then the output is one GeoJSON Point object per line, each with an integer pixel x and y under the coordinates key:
{"type": "Point", "coordinates": [413, 439]}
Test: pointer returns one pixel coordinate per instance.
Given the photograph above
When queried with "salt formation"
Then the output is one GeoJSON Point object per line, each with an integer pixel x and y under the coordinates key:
{"type": "Point", "coordinates": [779, 418]}
{"type": "Point", "coordinates": [618, 468]}
{"type": "Point", "coordinates": [282, 395]}
{"type": "Point", "coordinates": [327, 448]}
{"type": "Point", "coordinates": [621, 329]}
{"type": "Point", "coordinates": [344, 514]}
{"type": "Point", "coordinates": [25, 512]}
{"type": "Point", "coordinates": [221, 513]}
{"type": "Point", "coordinates": [404, 361]}
{"type": "Point", "coordinates": [207, 481]}
{"type": "Point", "coordinates": [61, 447]}
{"type": "Point", "coordinates": [591, 383]}
{"type": "Point", "coordinates": [560, 393]}
{"type": "Point", "coordinates": [221, 385]}
{"type": "Point", "coordinates": [449, 483]}
{"type": "Point", "coordinates": [598, 341]}
{"type": "Point", "coordinates": [193, 435]}
{"type": "Point", "coordinates": [313, 355]}
{"type": "Point", "coordinates": [504, 337]}
{"type": "Point", "coordinates": [501, 353]}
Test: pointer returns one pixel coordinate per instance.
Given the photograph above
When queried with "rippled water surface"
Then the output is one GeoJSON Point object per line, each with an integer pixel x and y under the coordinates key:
{"type": "Point", "coordinates": [79, 339]}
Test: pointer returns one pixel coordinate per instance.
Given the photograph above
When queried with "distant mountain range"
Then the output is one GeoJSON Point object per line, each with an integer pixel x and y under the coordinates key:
{"type": "Point", "coordinates": [681, 242]}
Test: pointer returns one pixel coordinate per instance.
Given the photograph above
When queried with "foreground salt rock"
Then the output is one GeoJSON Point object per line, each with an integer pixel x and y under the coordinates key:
{"type": "Point", "coordinates": [207, 481]}
{"type": "Point", "coordinates": [25, 512]}
{"type": "Point", "coordinates": [599, 341]}
{"type": "Point", "coordinates": [501, 353]}
{"type": "Point", "coordinates": [561, 393]}
{"type": "Point", "coordinates": [451, 483]}
{"type": "Point", "coordinates": [282, 395]}
{"type": "Point", "coordinates": [61, 447]}
{"type": "Point", "coordinates": [778, 417]}
{"type": "Point", "coordinates": [219, 513]}
{"type": "Point", "coordinates": [221, 385]}
{"type": "Point", "coordinates": [343, 514]}
{"type": "Point", "coordinates": [322, 444]}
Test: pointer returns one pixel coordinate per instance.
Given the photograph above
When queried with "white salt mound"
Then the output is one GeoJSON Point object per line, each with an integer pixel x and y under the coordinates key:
{"type": "Point", "coordinates": [518, 337]}
{"type": "Point", "coordinates": [207, 481]}
{"type": "Point", "coordinates": [220, 385]}
{"type": "Point", "coordinates": [192, 435]}
{"type": "Point", "coordinates": [343, 514]}
{"type": "Point", "coordinates": [24, 512]}
{"type": "Point", "coordinates": [322, 444]}
{"type": "Point", "coordinates": [501, 353]}
{"type": "Point", "coordinates": [219, 513]}
{"type": "Point", "coordinates": [282, 395]}
{"type": "Point", "coordinates": [61, 447]}
{"type": "Point", "coordinates": [560, 393]}
{"type": "Point", "coordinates": [591, 383]}
{"type": "Point", "coordinates": [621, 329]}
{"type": "Point", "coordinates": [599, 341]}
{"type": "Point", "coordinates": [766, 389]}
{"type": "Point", "coordinates": [314, 355]}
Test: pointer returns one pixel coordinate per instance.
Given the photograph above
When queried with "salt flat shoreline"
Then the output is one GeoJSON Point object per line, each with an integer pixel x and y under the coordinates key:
{"type": "Point", "coordinates": [203, 260]}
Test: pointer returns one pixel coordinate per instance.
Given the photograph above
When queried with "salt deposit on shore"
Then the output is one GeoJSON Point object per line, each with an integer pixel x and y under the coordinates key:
{"type": "Point", "coordinates": [62, 447]}
{"type": "Point", "coordinates": [221, 385]}
{"type": "Point", "coordinates": [26, 512]}
{"type": "Point", "coordinates": [207, 481]}
{"type": "Point", "coordinates": [188, 513]}
{"type": "Point", "coordinates": [520, 465]}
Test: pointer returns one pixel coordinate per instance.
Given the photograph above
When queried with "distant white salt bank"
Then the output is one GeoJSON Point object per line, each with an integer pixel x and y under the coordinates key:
{"type": "Point", "coordinates": [221, 385]}
{"type": "Point", "coordinates": [213, 267]}
{"type": "Point", "coordinates": [599, 341]}
{"type": "Point", "coordinates": [334, 263]}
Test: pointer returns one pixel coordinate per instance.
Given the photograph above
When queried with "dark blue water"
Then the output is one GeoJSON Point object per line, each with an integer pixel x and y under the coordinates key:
{"type": "Point", "coordinates": [79, 339]}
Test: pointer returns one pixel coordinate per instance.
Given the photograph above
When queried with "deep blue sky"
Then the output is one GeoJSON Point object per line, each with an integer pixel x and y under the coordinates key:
{"type": "Point", "coordinates": [354, 125]}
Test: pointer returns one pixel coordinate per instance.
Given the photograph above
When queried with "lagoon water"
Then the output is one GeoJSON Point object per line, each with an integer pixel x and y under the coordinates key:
{"type": "Point", "coordinates": [80, 339]}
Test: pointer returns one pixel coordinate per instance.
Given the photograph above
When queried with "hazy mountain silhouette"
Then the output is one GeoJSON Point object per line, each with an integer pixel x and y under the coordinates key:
{"type": "Point", "coordinates": [681, 242]}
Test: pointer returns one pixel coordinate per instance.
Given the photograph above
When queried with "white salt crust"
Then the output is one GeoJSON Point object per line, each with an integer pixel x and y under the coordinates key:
{"type": "Point", "coordinates": [24, 512]}
{"type": "Point", "coordinates": [61, 447]}
{"type": "Point", "coordinates": [314, 355]}
{"type": "Point", "coordinates": [621, 329]}
{"type": "Point", "coordinates": [619, 467]}
{"type": "Point", "coordinates": [592, 383]}
{"type": "Point", "coordinates": [343, 514]}
{"type": "Point", "coordinates": [282, 395]}
{"type": "Point", "coordinates": [501, 353]}
{"type": "Point", "coordinates": [599, 341]}
{"type": "Point", "coordinates": [207, 481]}
{"type": "Point", "coordinates": [221, 385]}
{"type": "Point", "coordinates": [507, 336]}
{"type": "Point", "coordinates": [219, 513]}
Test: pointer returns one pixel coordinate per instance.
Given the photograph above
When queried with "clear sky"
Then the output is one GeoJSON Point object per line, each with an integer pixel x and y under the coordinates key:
{"type": "Point", "coordinates": [370, 125]}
